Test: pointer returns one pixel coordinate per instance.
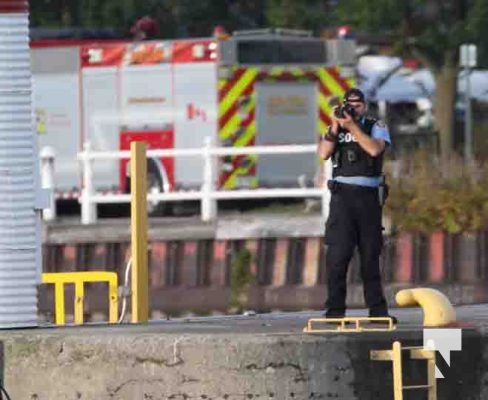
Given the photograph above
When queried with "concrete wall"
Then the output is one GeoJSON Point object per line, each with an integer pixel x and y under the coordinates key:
{"type": "Point", "coordinates": [163, 363]}
{"type": "Point", "coordinates": [191, 264]}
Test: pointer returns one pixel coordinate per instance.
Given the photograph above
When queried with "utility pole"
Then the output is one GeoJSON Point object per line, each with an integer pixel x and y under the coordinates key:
{"type": "Point", "coordinates": [467, 60]}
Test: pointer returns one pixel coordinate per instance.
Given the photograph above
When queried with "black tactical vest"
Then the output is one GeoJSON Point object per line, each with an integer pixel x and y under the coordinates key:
{"type": "Point", "coordinates": [349, 159]}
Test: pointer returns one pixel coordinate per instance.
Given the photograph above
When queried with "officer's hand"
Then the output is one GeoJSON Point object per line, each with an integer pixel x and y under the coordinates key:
{"type": "Point", "coordinates": [335, 121]}
{"type": "Point", "coordinates": [346, 122]}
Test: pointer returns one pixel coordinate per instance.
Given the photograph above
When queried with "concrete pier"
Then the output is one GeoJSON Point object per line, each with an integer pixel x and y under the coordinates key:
{"type": "Point", "coordinates": [263, 356]}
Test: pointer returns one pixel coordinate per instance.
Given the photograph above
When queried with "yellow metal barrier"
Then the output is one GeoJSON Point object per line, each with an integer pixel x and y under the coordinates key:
{"type": "Point", "coordinates": [59, 279]}
{"type": "Point", "coordinates": [349, 324]}
{"type": "Point", "coordinates": [416, 353]}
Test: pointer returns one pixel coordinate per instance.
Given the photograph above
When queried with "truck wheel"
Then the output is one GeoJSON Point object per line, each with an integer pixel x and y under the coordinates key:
{"type": "Point", "coordinates": [155, 186]}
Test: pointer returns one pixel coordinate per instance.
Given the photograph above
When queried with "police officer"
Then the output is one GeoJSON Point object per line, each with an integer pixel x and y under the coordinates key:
{"type": "Point", "coordinates": [356, 145]}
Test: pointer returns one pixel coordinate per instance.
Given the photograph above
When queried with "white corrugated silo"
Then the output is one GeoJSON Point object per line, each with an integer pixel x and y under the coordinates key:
{"type": "Point", "coordinates": [19, 193]}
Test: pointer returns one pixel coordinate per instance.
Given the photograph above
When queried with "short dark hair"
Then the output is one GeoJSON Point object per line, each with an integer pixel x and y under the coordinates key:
{"type": "Point", "coordinates": [354, 93]}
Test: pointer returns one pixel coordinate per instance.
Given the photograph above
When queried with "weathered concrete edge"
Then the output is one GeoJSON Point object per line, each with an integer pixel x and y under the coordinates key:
{"type": "Point", "coordinates": [227, 228]}
{"type": "Point", "coordinates": [109, 363]}
{"type": "Point", "coordinates": [120, 232]}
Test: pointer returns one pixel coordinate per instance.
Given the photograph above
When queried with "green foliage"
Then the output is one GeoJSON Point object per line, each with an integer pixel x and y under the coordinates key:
{"type": "Point", "coordinates": [85, 13]}
{"type": "Point", "coordinates": [430, 29]}
{"type": "Point", "coordinates": [430, 196]}
{"type": "Point", "coordinates": [176, 18]}
{"type": "Point", "coordinates": [240, 280]}
{"type": "Point", "coordinates": [309, 15]}
{"type": "Point", "coordinates": [435, 26]}
{"type": "Point", "coordinates": [368, 16]}
{"type": "Point", "coordinates": [189, 14]}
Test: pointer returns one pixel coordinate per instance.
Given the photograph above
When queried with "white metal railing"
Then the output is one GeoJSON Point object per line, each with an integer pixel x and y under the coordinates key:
{"type": "Point", "coordinates": [208, 194]}
{"type": "Point", "coordinates": [47, 157]}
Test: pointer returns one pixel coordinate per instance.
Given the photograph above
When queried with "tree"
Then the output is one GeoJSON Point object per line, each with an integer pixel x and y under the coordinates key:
{"type": "Point", "coordinates": [177, 18]}
{"type": "Point", "coordinates": [431, 31]}
{"type": "Point", "coordinates": [81, 13]}
{"type": "Point", "coordinates": [309, 15]}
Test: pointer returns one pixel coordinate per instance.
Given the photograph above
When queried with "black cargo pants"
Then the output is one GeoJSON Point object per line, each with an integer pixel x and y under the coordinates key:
{"type": "Point", "coordinates": [354, 220]}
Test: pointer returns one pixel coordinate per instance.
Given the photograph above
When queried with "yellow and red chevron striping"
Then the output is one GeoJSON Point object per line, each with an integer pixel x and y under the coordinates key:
{"type": "Point", "coordinates": [237, 102]}
{"type": "Point", "coordinates": [234, 107]}
{"type": "Point", "coordinates": [228, 84]}
{"type": "Point", "coordinates": [334, 72]}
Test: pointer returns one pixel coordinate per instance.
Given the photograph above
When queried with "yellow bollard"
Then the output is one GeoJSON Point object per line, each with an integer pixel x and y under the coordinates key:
{"type": "Point", "coordinates": [139, 227]}
{"type": "Point", "coordinates": [438, 310]}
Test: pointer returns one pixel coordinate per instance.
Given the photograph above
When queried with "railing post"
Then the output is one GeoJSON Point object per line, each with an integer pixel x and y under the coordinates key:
{"type": "Point", "coordinates": [47, 181]}
{"type": "Point", "coordinates": [88, 208]}
{"type": "Point", "coordinates": [326, 192]}
{"type": "Point", "coordinates": [59, 314]}
{"type": "Point", "coordinates": [79, 302]}
{"type": "Point", "coordinates": [208, 204]}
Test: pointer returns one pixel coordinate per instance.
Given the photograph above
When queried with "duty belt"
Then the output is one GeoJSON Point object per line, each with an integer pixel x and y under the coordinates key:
{"type": "Point", "coordinates": [381, 191]}
{"type": "Point", "coordinates": [335, 187]}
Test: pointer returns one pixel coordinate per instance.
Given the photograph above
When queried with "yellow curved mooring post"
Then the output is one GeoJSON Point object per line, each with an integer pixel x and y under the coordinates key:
{"type": "Point", "coordinates": [438, 310]}
{"type": "Point", "coordinates": [139, 273]}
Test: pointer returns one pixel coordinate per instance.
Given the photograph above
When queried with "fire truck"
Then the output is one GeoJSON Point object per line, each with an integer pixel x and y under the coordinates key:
{"type": "Point", "coordinates": [265, 87]}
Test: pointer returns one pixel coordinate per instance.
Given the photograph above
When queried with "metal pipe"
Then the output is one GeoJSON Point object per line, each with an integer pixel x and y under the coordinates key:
{"type": "Point", "coordinates": [47, 181]}
{"type": "Point", "coordinates": [468, 144]}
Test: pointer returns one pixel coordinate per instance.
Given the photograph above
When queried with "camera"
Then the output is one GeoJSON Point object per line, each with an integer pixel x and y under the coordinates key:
{"type": "Point", "coordinates": [339, 111]}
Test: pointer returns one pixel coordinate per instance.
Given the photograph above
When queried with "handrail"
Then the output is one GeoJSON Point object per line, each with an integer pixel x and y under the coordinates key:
{"type": "Point", "coordinates": [208, 194]}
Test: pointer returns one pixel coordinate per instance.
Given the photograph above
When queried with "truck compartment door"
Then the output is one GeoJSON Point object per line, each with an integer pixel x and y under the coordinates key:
{"type": "Point", "coordinates": [287, 113]}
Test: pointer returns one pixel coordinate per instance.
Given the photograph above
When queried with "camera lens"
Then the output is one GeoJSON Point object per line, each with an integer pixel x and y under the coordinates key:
{"type": "Point", "coordinates": [350, 110]}
{"type": "Point", "coordinates": [339, 112]}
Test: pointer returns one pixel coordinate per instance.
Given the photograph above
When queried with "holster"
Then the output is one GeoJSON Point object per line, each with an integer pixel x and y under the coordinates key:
{"type": "Point", "coordinates": [333, 186]}
{"type": "Point", "coordinates": [383, 191]}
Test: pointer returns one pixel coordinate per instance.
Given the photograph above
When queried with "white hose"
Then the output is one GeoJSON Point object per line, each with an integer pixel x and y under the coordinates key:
{"type": "Point", "coordinates": [125, 291]}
